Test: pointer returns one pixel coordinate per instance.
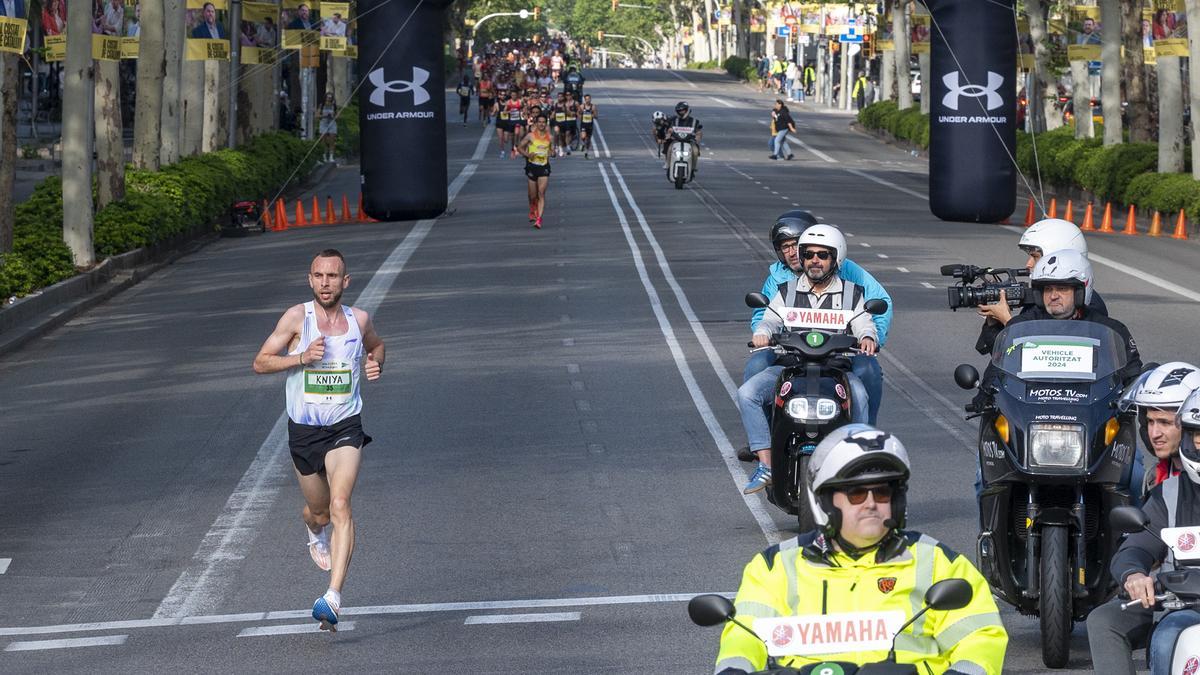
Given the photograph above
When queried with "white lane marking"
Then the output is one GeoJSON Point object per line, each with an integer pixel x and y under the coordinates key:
{"type": "Point", "coordinates": [903, 269]}
{"type": "Point", "coordinates": [813, 150]}
{"type": "Point", "coordinates": [71, 643]}
{"type": "Point", "coordinates": [864, 244]}
{"type": "Point", "coordinates": [740, 173]}
{"type": "Point", "coordinates": [479, 619]}
{"type": "Point", "coordinates": [882, 255]}
{"type": "Point", "coordinates": [753, 503]}
{"type": "Point", "coordinates": [723, 102]}
{"type": "Point", "coordinates": [201, 587]}
{"type": "Point", "coordinates": [371, 610]}
{"type": "Point", "coordinates": [1139, 274]}
{"type": "Point", "coordinates": [887, 183]}
{"type": "Point", "coordinates": [292, 629]}
{"type": "Point", "coordinates": [690, 83]}
{"type": "Point", "coordinates": [603, 143]}
{"type": "Point", "coordinates": [926, 284]}
{"type": "Point", "coordinates": [4, 563]}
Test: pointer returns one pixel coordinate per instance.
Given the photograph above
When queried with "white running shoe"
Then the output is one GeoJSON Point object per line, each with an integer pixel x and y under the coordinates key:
{"type": "Point", "coordinates": [318, 548]}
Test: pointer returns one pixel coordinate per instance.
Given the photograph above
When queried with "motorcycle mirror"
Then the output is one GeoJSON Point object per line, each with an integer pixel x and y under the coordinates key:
{"type": "Point", "coordinates": [966, 377]}
{"type": "Point", "coordinates": [756, 300]}
{"type": "Point", "coordinates": [876, 306]}
{"type": "Point", "coordinates": [1128, 519]}
{"type": "Point", "coordinates": [949, 594]}
{"type": "Point", "coordinates": [710, 610]}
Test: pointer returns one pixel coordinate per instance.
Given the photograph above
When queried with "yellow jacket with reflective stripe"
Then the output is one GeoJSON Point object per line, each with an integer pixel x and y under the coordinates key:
{"type": "Point", "coordinates": [802, 576]}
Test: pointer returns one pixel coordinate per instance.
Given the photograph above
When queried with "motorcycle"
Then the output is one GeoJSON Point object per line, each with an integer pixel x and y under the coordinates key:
{"type": "Point", "coordinates": [684, 154]}
{"type": "Point", "coordinates": [713, 610]}
{"type": "Point", "coordinates": [1054, 450]}
{"type": "Point", "coordinates": [1175, 589]}
{"type": "Point", "coordinates": [812, 395]}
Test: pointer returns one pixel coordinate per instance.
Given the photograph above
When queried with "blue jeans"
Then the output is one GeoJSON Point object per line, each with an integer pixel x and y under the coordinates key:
{"type": "Point", "coordinates": [788, 86]}
{"type": "Point", "coordinates": [759, 361]}
{"type": "Point", "coordinates": [1162, 642]}
{"type": "Point", "coordinates": [781, 144]}
{"type": "Point", "coordinates": [758, 391]}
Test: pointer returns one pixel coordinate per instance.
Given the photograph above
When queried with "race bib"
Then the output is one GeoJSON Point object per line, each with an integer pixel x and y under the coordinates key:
{"type": "Point", "coordinates": [821, 319]}
{"type": "Point", "coordinates": [560, 117]}
{"type": "Point", "coordinates": [587, 118]}
{"type": "Point", "coordinates": [328, 383]}
{"type": "Point", "coordinates": [814, 634]}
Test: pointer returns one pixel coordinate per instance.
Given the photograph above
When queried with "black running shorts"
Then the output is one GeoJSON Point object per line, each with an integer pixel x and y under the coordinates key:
{"type": "Point", "coordinates": [309, 444]}
{"type": "Point", "coordinates": [536, 171]}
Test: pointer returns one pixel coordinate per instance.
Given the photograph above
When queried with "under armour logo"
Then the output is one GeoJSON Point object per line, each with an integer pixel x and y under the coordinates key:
{"type": "Point", "coordinates": [382, 86]}
{"type": "Point", "coordinates": [1176, 376]}
{"type": "Point", "coordinates": [994, 99]}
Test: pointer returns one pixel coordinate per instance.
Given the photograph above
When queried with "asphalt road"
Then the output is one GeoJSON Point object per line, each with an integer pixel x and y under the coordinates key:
{"type": "Point", "coordinates": [552, 475]}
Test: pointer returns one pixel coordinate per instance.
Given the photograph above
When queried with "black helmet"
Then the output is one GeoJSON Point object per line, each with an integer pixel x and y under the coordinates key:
{"type": "Point", "coordinates": [790, 225]}
{"type": "Point", "coordinates": [681, 107]}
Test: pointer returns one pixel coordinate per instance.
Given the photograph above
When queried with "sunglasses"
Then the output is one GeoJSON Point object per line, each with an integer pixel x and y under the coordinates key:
{"type": "Point", "coordinates": [858, 495]}
{"type": "Point", "coordinates": [822, 255]}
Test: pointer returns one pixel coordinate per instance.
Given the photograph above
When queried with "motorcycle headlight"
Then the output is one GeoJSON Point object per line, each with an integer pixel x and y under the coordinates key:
{"type": "Point", "coordinates": [811, 409]}
{"type": "Point", "coordinates": [1057, 445]}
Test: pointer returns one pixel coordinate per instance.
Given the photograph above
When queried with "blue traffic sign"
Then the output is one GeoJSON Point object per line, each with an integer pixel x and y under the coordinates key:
{"type": "Point", "coordinates": [783, 31]}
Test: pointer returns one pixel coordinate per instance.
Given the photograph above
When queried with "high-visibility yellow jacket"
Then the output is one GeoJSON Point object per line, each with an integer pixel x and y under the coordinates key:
{"type": "Point", "coordinates": [805, 576]}
{"type": "Point", "coordinates": [860, 86]}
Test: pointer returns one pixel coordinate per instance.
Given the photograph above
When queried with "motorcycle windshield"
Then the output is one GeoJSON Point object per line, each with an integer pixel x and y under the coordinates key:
{"type": "Point", "coordinates": [1050, 350]}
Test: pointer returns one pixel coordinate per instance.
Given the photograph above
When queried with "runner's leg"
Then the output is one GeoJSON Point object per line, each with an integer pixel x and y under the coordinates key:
{"type": "Point", "coordinates": [341, 470]}
{"type": "Point", "coordinates": [533, 198]}
{"type": "Point", "coordinates": [542, 183]}
{"type": "Point", "coordinates": [316, 500]}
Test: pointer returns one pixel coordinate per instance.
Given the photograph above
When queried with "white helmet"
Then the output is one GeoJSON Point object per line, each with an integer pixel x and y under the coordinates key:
{"type": "Point", "coordinates": [825, 235]}
{"type": "Point", "coordinates": [1189, 421]}
{"type": "Point", "coordinates": [658, 115]}
{"type": "Point", "coordinates": [855, 454]}
{"type": "Point", "coordinates": [1163, 388]}
{"type": "Point", "coordinates": [1067, 265]}
{"type": "Point", "coordinates": [1053, 234]}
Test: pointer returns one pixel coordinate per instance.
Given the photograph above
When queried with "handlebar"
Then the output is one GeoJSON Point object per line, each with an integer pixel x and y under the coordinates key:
{"type": "Point", "coordinates": [1157, 600]}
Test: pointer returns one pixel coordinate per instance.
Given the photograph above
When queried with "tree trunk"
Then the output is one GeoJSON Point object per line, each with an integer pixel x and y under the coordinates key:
{"type": "Point", "coordinates": [9, 90]}
{"type": "Point", "coordinates": [339, 76]}
{"type": "Point", "coordinates": [172, 101]}
{"type": "Point", "coordinates": [151, 68]}
{"type": "Point", "coordinates": [903, 54]}
{"type": "Point", "coordinates": [888, 76]}
{"type": "Point", "coordinates": [924, 62]}
{"type": "Point", "coordinates": [1134, 73]}
{"type": "Point", "coordinates": [192, 95]}
{"type": "Point", "coordinates": [1170, 115]}
{"type": "Point", "coordinates": [1081, 98]}
{"type": "Point", "coordinates": [847, 78]}
{"type": "Point", "coordinates": [78, 99]}
{"type": "Point", "coordinates": [1050, 117]}
{"type": "Point", "coordinates": [1110, 73]}
{"type": "Point", "coordinates": [710, 38]}
{"type": "Point", "coordinates": [110, 141]}
{"type": "Point", "coordinates": [211, 137]}
{"type": "Point", "coordinates": [1193, 16]}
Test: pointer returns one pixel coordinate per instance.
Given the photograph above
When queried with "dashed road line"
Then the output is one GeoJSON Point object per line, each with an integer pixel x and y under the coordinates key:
{"type": "Point", "coordinates": [903, 269]}
{"type": "Point", "coordinates": [689, 82]}
{"type": "Point", "coordinates": [69, 643]}
{"type": "Point", "coordinates": [723, 102]}
{"type": "Point", "coordinates": [292, 629]}
{"type": "Point", "coordinates": [926, 284]}
{"type": "Point", "coordinates": [548, 617]}
{"type": "Point", "coordinates": [4, 563]}
{"type": "Point", "coordinates": [882, 255]}
{"type": "Point", "coordinates": [864, 244]}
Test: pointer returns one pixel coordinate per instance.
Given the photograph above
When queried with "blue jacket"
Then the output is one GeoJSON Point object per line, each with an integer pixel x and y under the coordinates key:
{"type": "Point", "coordinates": [848, 270]}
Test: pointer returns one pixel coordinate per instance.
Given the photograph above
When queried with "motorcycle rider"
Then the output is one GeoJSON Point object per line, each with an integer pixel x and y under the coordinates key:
{"type": "Point", "coordinates": [822, 247]}
{"type": "Point", "coordinates": [1157, 396]}
{"type": "Point", "coordinates": [787, 228]}
{"type": "Point", "coordinates": [858, 479]}
{"type": "Point", "coordinates": [1050, 234]}
{"type": "Point", "coordinates": [1114, 633]}
{"type": "Point", "coordinates": [683, 118]}
{"type": "Point", "coordinates": [658, 131]}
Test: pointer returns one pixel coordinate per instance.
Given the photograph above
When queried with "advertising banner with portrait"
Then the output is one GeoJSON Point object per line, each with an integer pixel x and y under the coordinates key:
{"type": "Point", "coordinates": [1148, 56]}
{"type": "Point", "coordinates": [108, 25]}
{"type": "Point", "coordinates": [334, 26]}
{"type": "Point", "coordinates": [1025, 55]}
{"type": "Point", "coordinates": [1168, 28]}
{"type": "Point", "coordinates": [301, 23]}
{"type": "Point", "coordinates": [1084, 29]}
{"type": "Point", "coordinates": [259, 32]}
{"type": "Point", "coordinates": [919, 28]}
{"type": "Point", "coordinates": [885, 39]}
{"type": "Point", "coordinates": [14, 24]}
{"type": "Point", "coordinates": [810, 19]}
{"type": "Point", "coordinates": [758, 21]}
{"type": "Point", "coordinates": [836, 19]}
{"type": "Point", "coordinates": [54, 29]}
{"type": "Point", "coordinates": [205, 22]}
{"type": "Point", "coordinates": [132, 31]}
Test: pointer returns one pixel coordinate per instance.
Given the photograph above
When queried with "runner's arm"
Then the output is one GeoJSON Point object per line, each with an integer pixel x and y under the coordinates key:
{"type": "Point", "coordinates": [272, 356]}
{"type": "Point", "coordinates": [523, 145]}
{"type": "Point", "coordinates": [372, 344]}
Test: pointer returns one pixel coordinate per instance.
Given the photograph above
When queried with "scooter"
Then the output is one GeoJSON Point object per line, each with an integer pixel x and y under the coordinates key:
{"type": "Point", "coordinates": [713, 610]}
{"type": "Point", "coordinates": [684, 153]}
{"type": "Point", "coordinates": [1175, 589]}
{"type": "Point", "coordinates": [812, 395]}
{"type": "Point", "coordinates": [1054, 451]}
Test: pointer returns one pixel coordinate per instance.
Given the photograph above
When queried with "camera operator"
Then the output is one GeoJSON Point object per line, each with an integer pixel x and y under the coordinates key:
{"type": "Point", "coordinates": [1051, 234]}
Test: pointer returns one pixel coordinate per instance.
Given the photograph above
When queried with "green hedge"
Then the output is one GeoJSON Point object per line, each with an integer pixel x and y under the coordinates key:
{"type": "Point", "coordinates": [157, 206]}
{"type": "Point", "coordinates": [348, 133]}
{"type": "Point", "coordinates": [909, 125]}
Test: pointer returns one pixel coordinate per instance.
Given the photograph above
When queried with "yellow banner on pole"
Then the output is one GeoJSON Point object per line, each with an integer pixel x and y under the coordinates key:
{"type": "Point", "coordinates": [106, 48]}
{"type": "Point", "coordinates": [207, 50]}
{"type": "Point", "coordinates": [12, 35]}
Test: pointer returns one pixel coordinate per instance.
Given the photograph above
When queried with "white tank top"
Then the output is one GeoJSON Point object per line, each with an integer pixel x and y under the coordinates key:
{"type": "Point", "coordinates": [326, 392]}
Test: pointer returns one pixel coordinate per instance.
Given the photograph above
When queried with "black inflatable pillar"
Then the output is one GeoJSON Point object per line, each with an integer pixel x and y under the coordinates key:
{"type": "Point", "coordinates": [972, 135]}
{"type": "Point", "coordinates": [402, 108]}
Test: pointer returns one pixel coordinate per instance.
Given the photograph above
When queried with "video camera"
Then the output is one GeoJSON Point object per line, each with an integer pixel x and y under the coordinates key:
{"type": "Point", "coordinates": [995, 279]}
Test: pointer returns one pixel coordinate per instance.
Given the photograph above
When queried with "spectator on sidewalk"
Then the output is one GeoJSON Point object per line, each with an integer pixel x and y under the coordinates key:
{"type": "Point", "coordinates": [778, 70]}
{"type": "Point", "coordinates": [794, 91]}
{"type": "Point", "coordinates": [782, 123]}
{"type": "Point", "coordinates": [764, 72]}
{"type": "Point", "coordinates": [860, 91]}
{"type": "Point", "coordinates": [810, 79]}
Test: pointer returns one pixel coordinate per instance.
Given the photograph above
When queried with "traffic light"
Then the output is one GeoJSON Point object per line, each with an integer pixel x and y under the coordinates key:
{"type": "Point", "coordinates": [600, 35]}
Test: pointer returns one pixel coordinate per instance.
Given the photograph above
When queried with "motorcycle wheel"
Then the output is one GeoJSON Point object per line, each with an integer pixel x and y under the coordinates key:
{"type": "Point", "coordinates": [804, 514]}
{"type": "Point", "coordinates": [1055, 604]}
{"type": "Point", "coordinates": [679, 180]}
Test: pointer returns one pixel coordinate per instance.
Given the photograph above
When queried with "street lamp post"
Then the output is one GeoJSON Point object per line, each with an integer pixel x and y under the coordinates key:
{"type": "Point", "coordinates": [524, 14]}
{"type": "Point", "coordinates": [645, 42]}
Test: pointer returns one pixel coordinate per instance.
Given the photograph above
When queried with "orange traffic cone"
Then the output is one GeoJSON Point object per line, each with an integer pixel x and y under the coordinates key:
{"type": "Point", "coordinates": [1180, 226]}
{"type": "Point", "coordinates": [1106, 222]}
{"type": "Point", "coordinates": [1131, 221]}
{"type": "Point", "coordinates": [1155, 225]}
{"type": "Point", "coordinates": [346, 209]}
{"type": "Point", "coordinates": [329, 217]}
{"type": "Point", "coordinates": [1053, 208]}
{"type": "Point", "coordinates": [1069, 214]}
{"type": "Point", "coordinates": [281, 221]}
{"type": "Point", "coordinates": [301, 221]}
{"type": "Point", "coordinates": [362, 216]}
{"type": "Point", "coordinates": [265, 217]}
{"type": "Point", "coordinates": [1029, 213]}
{"type": "Point", "coordinates": [316, 212]}
{"type": "Point", "coordinates": [1088, 223]}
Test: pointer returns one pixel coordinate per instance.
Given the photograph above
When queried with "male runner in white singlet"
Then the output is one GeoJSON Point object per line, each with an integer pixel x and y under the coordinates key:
{"type": "Point", "coordinates": [321, 344]}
